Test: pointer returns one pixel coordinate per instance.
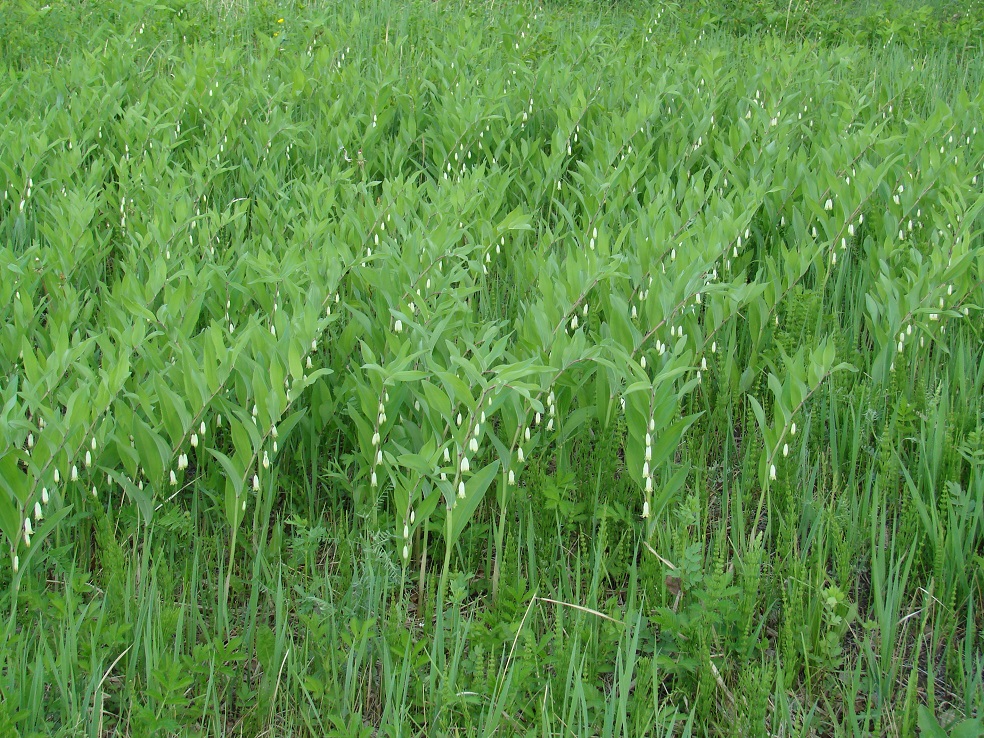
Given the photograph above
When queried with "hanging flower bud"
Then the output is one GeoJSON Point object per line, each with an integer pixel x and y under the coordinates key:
{"type": "Point", "coordinates": [447, 455]}
{"type": "Point", "coordinates": [526, 433]}
{"type": "Point", "coordinates": [785, 449]}
{"type": "Point", "coordinates": [266, 460]}
{"type": "Point", "coordinates": [57, 476]}
{"type": "Point", "coordinates": [28, 529]}
{"type": "Point", "coordinates": [461, 490]}
{"type": "Point", "coordinates": [38, 515]}
{"type": "Point", "coordinates": [75, 473]}
{"type": "Point", "coordinates": [406, 552]}
{"type": "Point", "coordinates": [201, 428]}
{"type": "Point", "coordinates": [792, 430]}
{"type": "Point", "coordinates": [44, 495]}
{"type": "Point", "coordinates": [772, 472]}
{"type": "Point", "coordinates": [464, 464]}
{"type": "Point", "coordinates": [511, 478]}
{"type": "Point", "coordinates": [520, 456]}
{"type": "Point", "coordinates": [375, 439]}
{"type": "Point", "coordinates": [645, 509]}
{"type": "Point", "coordinates": [398, 326]}
{"type": "Point", "coordinates": [194, 440]}
{"type": "Point", "coordinates": [88, 459]}
{"type": "Point", "coordinates": [173, 479]}
{"type": "Point", "coordinates": [372, 479]}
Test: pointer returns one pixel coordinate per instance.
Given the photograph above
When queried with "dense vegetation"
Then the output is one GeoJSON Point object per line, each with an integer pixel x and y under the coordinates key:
{"type": "Point", "coordinates": [427, 369]}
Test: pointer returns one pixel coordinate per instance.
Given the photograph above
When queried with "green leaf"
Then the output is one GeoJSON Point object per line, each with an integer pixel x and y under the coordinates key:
{"type": "Point", "coordinates": [929, 726]}
{"type": "Point", "coordinates": [232, 471]}
{"type": "Point", "coordinates": [475, 489]}
{"type": "Point", "coordinates": [140, 497]}
{"type": "Point", "coordinates": [970, 728]}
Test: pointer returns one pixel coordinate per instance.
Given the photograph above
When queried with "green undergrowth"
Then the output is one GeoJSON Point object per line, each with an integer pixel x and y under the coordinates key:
{"type": "Point", "coordinates": [423, 369]}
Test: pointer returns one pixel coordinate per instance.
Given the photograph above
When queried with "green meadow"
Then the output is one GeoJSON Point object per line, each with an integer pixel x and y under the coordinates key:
{"type": "Point", "coordinates": [491, 368]}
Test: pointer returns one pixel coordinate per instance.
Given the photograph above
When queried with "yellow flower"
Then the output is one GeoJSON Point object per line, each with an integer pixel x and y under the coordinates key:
{"type": "Point", "coordinates": [280, 20]}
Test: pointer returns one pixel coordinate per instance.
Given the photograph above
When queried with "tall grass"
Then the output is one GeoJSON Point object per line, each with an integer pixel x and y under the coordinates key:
{"type": "Point", "coordinates": [416, 369]}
